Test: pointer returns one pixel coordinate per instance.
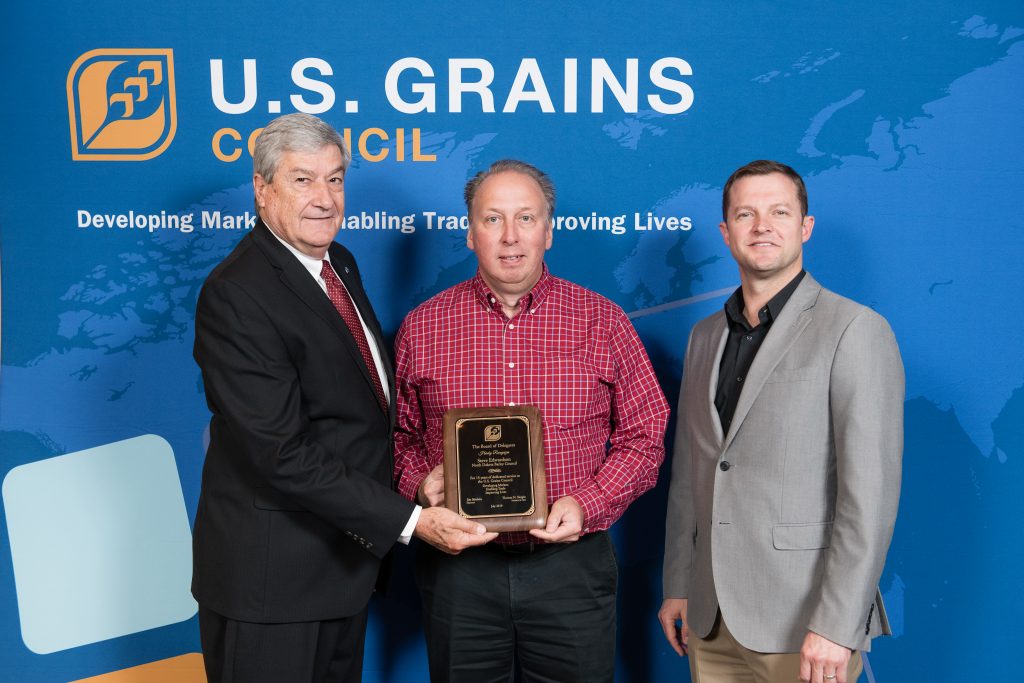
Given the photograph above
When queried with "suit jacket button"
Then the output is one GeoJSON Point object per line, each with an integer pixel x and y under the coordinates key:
{"type": "Point", "coordinates": [724, 465]}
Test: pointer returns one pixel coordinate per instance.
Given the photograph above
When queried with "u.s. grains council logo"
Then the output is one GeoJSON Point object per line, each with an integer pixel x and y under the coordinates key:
{"type": "Point", "coordinates": [121, 104]}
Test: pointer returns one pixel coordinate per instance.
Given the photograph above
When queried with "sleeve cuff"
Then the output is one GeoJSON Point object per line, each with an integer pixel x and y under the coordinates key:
{"type": "Point", "coordinates": [409, 484]}
{"type": "Point", "coordinates": [595, 511]}
{"type": "Point", "coordinates": [410, 526]}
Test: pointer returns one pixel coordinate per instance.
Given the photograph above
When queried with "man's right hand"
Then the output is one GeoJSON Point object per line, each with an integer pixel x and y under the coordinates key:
{"type": "Point", "coordinates": [449, 532]}
{"type": "Point", "coordinates": [672, 616]}
{"type": "Point", "coordinates": [431, 491]}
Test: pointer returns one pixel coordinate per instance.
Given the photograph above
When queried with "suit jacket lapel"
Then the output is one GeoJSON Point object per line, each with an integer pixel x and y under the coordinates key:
{"type": "Point", "coordinates": [296, 278]}
{"type": "Point", "coordinates": [792, 321]}
{"type": "Point", "coordinates": [362, 302]}
{"type": "Point", "coordinates": [718, 346]}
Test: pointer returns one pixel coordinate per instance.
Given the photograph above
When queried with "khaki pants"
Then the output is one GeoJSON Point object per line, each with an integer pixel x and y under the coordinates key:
{"type": "Point", "coordinates": [719, 658]}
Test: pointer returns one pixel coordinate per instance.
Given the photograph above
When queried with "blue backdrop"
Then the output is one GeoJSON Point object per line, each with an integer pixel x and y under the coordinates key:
{"type": "Point", "coordinates": [126, 177]}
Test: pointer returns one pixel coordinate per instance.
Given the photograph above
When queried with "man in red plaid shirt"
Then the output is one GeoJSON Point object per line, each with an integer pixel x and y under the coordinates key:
{"type": "Point", "coordinates": [516, 335]}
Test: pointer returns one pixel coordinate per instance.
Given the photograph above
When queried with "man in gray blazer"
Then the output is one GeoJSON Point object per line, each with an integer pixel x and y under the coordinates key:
{"type": "Point", "coordinates": [786, 472]}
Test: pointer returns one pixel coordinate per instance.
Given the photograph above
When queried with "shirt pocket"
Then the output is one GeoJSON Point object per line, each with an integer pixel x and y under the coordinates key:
{"type": "Point", "coordinates": [570, 391]}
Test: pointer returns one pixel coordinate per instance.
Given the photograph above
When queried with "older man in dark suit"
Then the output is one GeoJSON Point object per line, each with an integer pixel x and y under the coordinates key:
{"type": "Point", "coordinates": [296, 511]}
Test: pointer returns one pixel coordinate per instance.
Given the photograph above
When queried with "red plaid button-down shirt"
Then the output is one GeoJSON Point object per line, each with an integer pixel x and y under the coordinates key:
{"type": "Point", "coordinates": [570, 352]}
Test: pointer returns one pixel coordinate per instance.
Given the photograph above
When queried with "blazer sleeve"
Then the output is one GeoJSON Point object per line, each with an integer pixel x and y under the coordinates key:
{"type": "Point", "coordinates": [680, 519]}
{"type": "Point", "coordinates": [866, 400]}
{"type": "Point", "coordinates": [255, 389]}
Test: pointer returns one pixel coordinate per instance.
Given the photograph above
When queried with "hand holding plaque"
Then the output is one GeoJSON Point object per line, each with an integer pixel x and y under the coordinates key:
{"type": "Point", "coordinates": [494, 467]}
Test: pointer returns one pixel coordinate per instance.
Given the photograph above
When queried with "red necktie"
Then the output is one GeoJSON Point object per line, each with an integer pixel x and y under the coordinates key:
{"type": "Point", "coordinates": [343, 302]}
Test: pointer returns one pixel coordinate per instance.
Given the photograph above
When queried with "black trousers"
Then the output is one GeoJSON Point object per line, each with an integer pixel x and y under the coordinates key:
{"type": "Point", "coordinates": [303, 652]}
{"type": "Point", "coordinates": [549, 612]}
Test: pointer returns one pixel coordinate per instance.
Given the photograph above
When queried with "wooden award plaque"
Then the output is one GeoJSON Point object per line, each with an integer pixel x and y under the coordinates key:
{"type": "Point", "coordinates": [494, 467]}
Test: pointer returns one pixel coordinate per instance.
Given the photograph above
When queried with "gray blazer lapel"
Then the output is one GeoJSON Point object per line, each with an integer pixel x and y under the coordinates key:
{"type": "Point", "coordinates": [703, 358]}
{"type": "Point", "coordinates": [716, 363]}
{"type": "Point", "coordinates": [793, 320]}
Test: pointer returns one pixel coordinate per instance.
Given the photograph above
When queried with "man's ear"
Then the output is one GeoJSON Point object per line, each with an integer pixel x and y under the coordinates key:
{"type": "Point", "coordinates": [807, 227]}
{"type": "Point", "coordinates": [259, 188]}
{"type": "Point", "coordinates": [723, 228]}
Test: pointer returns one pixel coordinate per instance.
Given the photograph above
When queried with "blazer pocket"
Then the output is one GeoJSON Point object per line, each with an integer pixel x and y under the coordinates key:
{"type": "Point", "coordinates": [269, 499]}
{"type": "Point", "coordinates": [793, 374]}
{"type": "Point", "coordinates": [802, 536]}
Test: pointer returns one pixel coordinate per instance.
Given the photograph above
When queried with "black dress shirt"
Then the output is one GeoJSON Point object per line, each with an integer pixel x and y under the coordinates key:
{"type": "Point", "coordinates": [742, 345]}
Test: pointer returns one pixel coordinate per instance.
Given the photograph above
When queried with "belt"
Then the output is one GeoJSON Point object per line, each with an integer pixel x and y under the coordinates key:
{"type": "Point", "coordinates": [516, 548]}
{"type": "Point", "coordinates": [531, 548]}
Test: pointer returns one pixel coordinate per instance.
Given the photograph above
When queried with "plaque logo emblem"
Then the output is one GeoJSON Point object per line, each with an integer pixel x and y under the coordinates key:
{"type": "Point", "coordinates": [492, 433]}
{"type": "Point", "coordinates": [121, 104]}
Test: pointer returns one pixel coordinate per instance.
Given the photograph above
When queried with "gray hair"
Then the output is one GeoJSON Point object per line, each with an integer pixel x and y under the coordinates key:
{"type": "Point", "coordinates": [294, 133]}
{"type": "Point", "coordinates": [547, 188]}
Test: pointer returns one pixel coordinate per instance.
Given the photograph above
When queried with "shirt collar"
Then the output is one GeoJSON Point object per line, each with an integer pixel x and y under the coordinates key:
{"type": "Point", "coordinates": [770, 311]}
{"type": "Point", "coordinates": [530, 301]}
{"type": "Point", "coordinates": [313, 265]}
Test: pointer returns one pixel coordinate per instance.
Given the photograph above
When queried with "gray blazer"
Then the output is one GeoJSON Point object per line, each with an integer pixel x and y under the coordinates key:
{"type": "Point", "coordinates": [784, 522]}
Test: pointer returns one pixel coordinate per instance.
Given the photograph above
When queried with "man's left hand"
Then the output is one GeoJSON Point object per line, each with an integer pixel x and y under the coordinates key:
{"type": "Point", "coordinates": [565, 522]}
{"type": "Point", "coordinates": [822, 661]}
{"type": "Point", "coordinates": [431, 491]}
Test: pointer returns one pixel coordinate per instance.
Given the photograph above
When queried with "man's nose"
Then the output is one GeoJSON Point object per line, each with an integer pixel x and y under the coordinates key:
{"type": "Point", "coordinates": [321, 196]}
{"type": "Point", "coordinates": [510, 233]}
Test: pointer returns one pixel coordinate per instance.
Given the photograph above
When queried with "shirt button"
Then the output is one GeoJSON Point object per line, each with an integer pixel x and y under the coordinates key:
{"type": "Point", "coordinates": [511, 365]}
{"type": "Point", "coordinates": [739, 379]}
{"type": "Point", "coordinates": [724, 465]}
{"type": "Point", "coordinates": [511, 326]}
{"type": "Point", "coordinates": [491, 298]}
{"type": "Point", "coordinates": [511, 404]}
{"type": "Point", "coordinates": [749, 337]}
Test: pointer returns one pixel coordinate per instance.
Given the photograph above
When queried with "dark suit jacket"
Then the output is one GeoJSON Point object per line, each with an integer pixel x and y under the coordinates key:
{"type": "Point", "coordinates": [296, 511]}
